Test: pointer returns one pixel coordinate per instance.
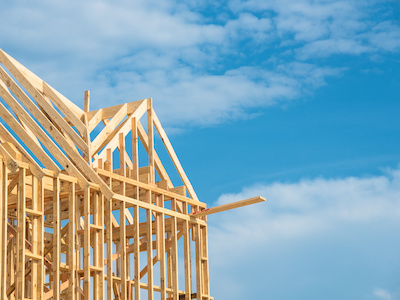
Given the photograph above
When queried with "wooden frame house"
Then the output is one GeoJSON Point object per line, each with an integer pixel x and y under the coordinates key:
{"type": "Point", "coordinates": [79, 218]}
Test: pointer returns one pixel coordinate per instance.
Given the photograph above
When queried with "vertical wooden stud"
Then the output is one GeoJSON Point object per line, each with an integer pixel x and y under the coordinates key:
{"type": "Point", "coordinates": [122, 241]}
{"type": "Point", "coordinates": [149, 227]}
{"type": "Point", "coordinates": [86, 243]}
{"type": "Point", "coordinates": [3, 218]}
{"type": "Point", "coordinates": [135, 160]}
{"type": "Point", "coordinates": [199, 276]}
{"type": "Point", "coordinates": [56, 238]}
{"type": "Point", "coordinates": [109, 248]}
{"type": "Point", "coordinates": [187, 255]}
{"type": "Point", "coordinates": [174, 249]}
{"type": "Point", "coordinates": [161, 248]}
{"type": "Point", "coordinates": [150, 130]}
{"type": "Point", "coordinates": [71, 241]}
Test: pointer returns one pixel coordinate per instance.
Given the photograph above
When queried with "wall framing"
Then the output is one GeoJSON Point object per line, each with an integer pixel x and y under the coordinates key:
{"type": "Point", "coordinates": [77, 223]}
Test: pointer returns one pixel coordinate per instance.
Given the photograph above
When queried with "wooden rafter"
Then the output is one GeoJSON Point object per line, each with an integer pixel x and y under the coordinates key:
{"type": "Point", "coordinates": [102, 218]}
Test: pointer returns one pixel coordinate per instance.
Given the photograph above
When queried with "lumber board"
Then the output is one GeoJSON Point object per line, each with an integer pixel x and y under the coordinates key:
{"type": "Point", "coordinates": [174, 157]}
{"type": "Point", "coordinates": [109, 216]}
{"type": "Point", "coordinates": [228, 206]}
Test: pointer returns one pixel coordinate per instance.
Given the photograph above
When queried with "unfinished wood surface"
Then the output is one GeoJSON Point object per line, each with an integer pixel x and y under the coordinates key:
{"type": "Point", "coordinates": [76, 222]}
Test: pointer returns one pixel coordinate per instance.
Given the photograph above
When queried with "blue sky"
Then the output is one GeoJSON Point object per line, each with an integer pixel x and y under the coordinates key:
{"type": "Point", "coordinates": [297, 101]}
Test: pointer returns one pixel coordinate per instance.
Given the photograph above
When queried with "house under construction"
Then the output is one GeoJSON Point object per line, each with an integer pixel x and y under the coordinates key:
{"type": "Point", "coordinates": [79, 217]}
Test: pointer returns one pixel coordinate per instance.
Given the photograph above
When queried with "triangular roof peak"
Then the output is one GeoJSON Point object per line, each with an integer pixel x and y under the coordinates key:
{"type": "Point", "coordinates": [52, 132]}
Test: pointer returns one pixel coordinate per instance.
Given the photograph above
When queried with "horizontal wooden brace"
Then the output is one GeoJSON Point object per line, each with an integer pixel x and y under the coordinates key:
{"type": "Point", "coordinates": [228, 206]}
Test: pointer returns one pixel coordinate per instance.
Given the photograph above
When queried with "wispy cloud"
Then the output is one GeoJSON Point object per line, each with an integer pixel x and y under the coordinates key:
{"type": "Point", "coordinates": [204, 63]}
{"type": "Point", "coordinates": [382, 294]}
{"type": "Point", "coordinates": [301, 225]}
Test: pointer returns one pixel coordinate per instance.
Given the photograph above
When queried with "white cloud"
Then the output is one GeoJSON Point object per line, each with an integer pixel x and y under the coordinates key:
{"type": "Point", "coordinates": [202, 99]}
{"type": "Point", "coordinates": [298, 220]}
{"type": "Point", "coordinates": [325, 48]}
{"type": "Point", "coordinates": [200, 68]}
{"type": "Point", "coordinates": [382, 294]}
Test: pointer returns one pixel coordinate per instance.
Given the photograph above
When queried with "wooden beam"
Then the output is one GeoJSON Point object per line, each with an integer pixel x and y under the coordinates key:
{"type": "Point", "coordinates": [150, 130]}
{"type": "Point", "coordinates": [158, 164]}
{"type": "Point", "coordinates": [37, 82]}
{"type": "Point", "coordinates": [58, 137]}
{"type": "Point", "coordinates": [8, 137]}
{"type": "Point", "coordinates": [65, 107]}
{"type": "Point", "coordinates": [122, 241]}
{"type": "Point", "coordinates": [3, 232]}
{"type": "Point", "coordinates": [136, 254]}
{"type": "Point", "coordinates": [174, 157]}
{"type": "Point", "coordinates": [10, 162]}
{"type": "Point", "coordinates": [124, 128]}
{"type": "Point", "coordinates": [86, 244]}
{"type": "Point", "coordinates": [56, 238]}
{"type": "Point", "coordinates": [26, 138]}
{"type": "Point", "coordinates": [71, 257]}
{"type": "Point", "coordinates": [109, 112]}
{"type": "Point", "coordinates": [109, 226]}
{"type": "Point", "coordinates": [38, 131]}
{"type": "Point", "coordinates": [86, 105]}
{"type": "Point", "coordinates": [109, 131]}
{"type": "Point", "coordinates": [33, 88]}
{"type": "Point", "coordinates": [95, 120]}
{"type": "Point", "coordinates": [228, 206]}
{"type": "Point", "coordinates": [21, 231]}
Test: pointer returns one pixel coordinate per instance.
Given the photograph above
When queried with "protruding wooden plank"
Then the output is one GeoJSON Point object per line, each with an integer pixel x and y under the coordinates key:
{"type": "Point", "coordinates": [228, 206]}
{"type": "Point", "coordinates": [135, 153]}
{"type": "Point", "coordinates": [86, 105]}
{"type": "Point", "coordinates": [150, 132]}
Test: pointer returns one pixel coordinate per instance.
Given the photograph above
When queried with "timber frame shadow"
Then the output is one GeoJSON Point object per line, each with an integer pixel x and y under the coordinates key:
{"type": "Point", "coordinates": [79, 218]}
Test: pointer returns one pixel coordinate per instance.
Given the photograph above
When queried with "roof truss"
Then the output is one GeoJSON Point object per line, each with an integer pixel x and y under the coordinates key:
{"type": "Point", "coordinates": [58, 131]}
